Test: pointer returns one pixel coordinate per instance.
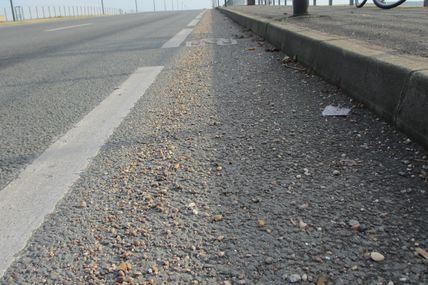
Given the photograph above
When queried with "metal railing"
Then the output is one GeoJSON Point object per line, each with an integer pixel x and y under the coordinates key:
{"type": "Point", "coordinates": [21, 13]}
{"type": "Point", "coordinates": [423, 3]}
{"type": "Point", "coordinates": [283, 2]}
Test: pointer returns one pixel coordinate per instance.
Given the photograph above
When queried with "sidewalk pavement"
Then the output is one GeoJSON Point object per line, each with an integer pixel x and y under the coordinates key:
{"type": "Point", "coordinates": [378, 57]}
{"type": "Point", "coordinates": [404, 30]}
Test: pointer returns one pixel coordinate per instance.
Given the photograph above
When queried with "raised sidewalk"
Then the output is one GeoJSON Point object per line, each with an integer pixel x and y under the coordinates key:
{"type": "Point", "coordinates": [378, 57]}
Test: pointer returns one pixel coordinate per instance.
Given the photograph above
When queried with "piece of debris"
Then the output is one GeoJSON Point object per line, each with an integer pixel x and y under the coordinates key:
{"type": "Point", "coordinates": [286, 59]}
{"type": "Point", "coordinates": [302, 224]}
{"type": "Point", "coordinates": [335, 111]}
{"type": "Point", "coordinates": [422, 252]}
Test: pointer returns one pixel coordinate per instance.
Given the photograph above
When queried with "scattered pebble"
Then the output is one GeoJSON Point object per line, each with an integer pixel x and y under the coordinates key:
{"type": "Point", "coordinates": [376, 256]}
{"type": "Point", "coordinates": [293, 278]}
{"type": "Point", "coordinates": [354, 224]}
{"type": "Point", "coordinates": [269, 260]}
{"type": "Point", "coordinates": [305, 277]}
{"type": "Point", "coordinates": [220, 238]}
{"type": "Point", "coordinates": [322, 280]}
{"type": "Point", "coordinates": [218, 218]}
{"type": "Point", "coordinates": [125, 267]}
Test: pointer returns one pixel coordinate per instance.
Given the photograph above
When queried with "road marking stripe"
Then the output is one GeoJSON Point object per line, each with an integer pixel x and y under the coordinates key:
{"type": "Point", "coordinates": [69, 27]}
{"type": "Point", "coordinates": [201, 14]}
{"type": "Point", "coordinates": [193, 23]}
{"type": "Point", "coordinates": [27, 200]}
{"type": "Point", "coordinates": [178, 39]}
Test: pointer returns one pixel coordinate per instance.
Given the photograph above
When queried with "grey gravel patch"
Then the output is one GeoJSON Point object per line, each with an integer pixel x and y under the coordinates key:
{"type": "Point", "coordinates": [227, 163]}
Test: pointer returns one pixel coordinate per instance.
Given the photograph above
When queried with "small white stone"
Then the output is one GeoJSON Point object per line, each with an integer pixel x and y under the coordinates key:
{"type": "Point", "coordinates": [376, 256]}
{"type": "Point", "coordinates": [293, 278]}
{"type": "Point", "coordinates": [305, 277]}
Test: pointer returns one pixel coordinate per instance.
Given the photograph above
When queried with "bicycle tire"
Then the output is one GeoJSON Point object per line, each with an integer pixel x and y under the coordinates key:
{"type": "Point", "coordinates": [382, 5]}
{"type": "Point", "coordinates": [360, 3]}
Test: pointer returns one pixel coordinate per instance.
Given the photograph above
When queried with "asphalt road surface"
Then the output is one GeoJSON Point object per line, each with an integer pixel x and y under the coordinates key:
{"type": "Point", "coordinates": [52, 74]}
{"type": "Point", "coordinates": [155, 154]}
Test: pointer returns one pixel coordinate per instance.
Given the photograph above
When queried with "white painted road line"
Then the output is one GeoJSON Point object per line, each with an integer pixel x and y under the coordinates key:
{"type": "Point", "coordinates": [27, 200]}
{"type": "Point", "coordinates": [201, 14]}
{"type": "Point", "coordinates": [69, 27]}
{"type": "Point", "coordinates": [178, 39]}
{"type": "Point", "coordinates": [193, 23]}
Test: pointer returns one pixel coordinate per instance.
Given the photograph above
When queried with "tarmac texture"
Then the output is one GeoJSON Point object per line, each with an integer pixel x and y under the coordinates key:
{"type": "Point", "coordinates": [225, 172]}
{"type": "Point", "coordinates": [49, 80]}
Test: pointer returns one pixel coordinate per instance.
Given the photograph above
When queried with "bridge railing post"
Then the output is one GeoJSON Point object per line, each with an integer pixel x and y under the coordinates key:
{"type": "Point", "coordinates": [300, 7]}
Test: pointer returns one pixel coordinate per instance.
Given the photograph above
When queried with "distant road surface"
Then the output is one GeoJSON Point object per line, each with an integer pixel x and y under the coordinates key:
{"type": "Point", "coordinates": [52, 74]}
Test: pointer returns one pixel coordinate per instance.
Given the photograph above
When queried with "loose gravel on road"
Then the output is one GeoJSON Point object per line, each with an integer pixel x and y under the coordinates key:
{"type": "Point", "coordinates": [226, 173]}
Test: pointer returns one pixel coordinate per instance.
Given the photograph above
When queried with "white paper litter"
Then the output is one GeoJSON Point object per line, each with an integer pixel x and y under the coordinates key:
{"type": "Point", "coordinates": [335, 111]}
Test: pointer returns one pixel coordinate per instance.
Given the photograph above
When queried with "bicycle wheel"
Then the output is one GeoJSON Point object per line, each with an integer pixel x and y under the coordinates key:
{"type": "Point", "coordinates": [388, 4]}
{"type": "Point", "coordinates": [360, 3]}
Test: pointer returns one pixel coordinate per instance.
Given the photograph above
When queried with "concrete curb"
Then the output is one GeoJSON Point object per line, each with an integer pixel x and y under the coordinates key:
{"type": "Point", "coordinates": [394, 87]}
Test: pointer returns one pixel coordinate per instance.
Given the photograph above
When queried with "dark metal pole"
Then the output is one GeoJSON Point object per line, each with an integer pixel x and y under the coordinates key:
{"type": "Point", "coordinates": [102, 6]}
{"type": "Point", "coordinates": [300, 7]}
{"type": "Point", "coordinates": [425, 3]}
{"type": "Point", "coordinates": [13, 11]}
